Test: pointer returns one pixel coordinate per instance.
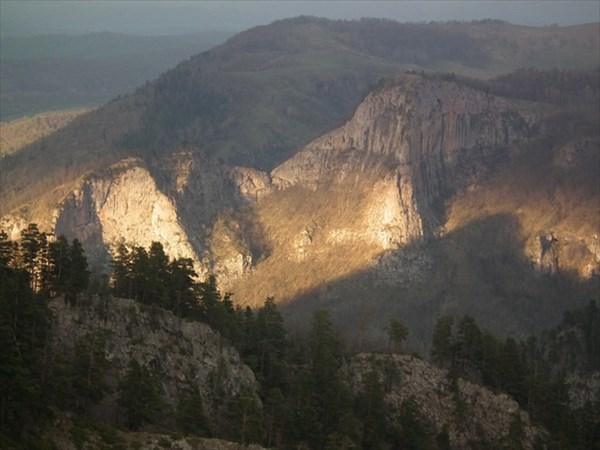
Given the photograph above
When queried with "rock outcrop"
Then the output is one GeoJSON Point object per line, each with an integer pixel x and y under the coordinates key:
{"type": "Point", "coordinates": [430, 137]}
{"type": "Point", "coordinates": [473, 416]}
{"type": "Point", "coordinates": [122, 204]}
{"type": "Point", "coordinates": [183, 354]}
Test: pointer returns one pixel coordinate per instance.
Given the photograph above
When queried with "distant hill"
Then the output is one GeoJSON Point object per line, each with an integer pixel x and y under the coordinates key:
{"type": "Point", "coordinates": [50, 72]}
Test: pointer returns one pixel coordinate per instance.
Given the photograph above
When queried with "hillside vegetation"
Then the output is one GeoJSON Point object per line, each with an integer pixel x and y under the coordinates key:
{"type": "Point", "coordinates": [19, 133]}
{"type": "Point", "coordinates": [80, 372]}
{"type": "Point", "coordinates": [51, 72]}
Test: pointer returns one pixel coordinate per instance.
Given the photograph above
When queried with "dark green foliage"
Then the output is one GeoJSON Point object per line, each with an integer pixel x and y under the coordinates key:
{"type": "Point", "coordinates": [270, 341]}
{"type": "Point", "coordinates": [88, 371]}
{"type": "Point", "coordinates": [140, 395]}
{"type": "Point", "coordinates": [516, 433]}
{"type": "Point", "coordinates": [79, 275]}
{"type": "Point", "coordinates": [53, 267]}
{"type": "Point", "coordinates": [575, 343]}
{"type": "Point", "coordinates": [245, 419]}
{"type": "Point", "coordinates": [190, 415]}
{"type": "Point", "coordinates": [24, 333]}
{"type": "Point", "coordinates": [217, 310]}
{"type": "Point", "coordinates": [531, 372]}
{"type": "Point", "coordinates": [276, 415]}
{"type": "Point", "coordinates": [442, 342]}
{"type": "Point", "coordinates": [371, 410]}
{"type": "Point", "coordinates": [7, 252]}
{"type": "Point", "coordinates": [152, 279]}
{"type": "Point", "coordinates": [415, 433]}
{"type": "Point", "coordinates": [397, 333]}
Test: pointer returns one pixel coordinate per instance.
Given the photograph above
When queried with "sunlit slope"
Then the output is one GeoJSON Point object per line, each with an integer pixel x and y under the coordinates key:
{"type": "Point", "coordinates": [403, 213]}
{"type": "Point", "coordinates": [553, 189]}
{"type": "Point", "coordinates": [259, 97]}
{"type": "Point", "coordinates": [16, 134]}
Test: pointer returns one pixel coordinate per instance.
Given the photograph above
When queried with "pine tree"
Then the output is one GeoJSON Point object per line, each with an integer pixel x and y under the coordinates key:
{"type": "Point", "coordinates": [397, 334]}
{"type": "Point", "coordinates": [371, 409]}
{"type": "Point", "coordinates": [183, 301]}
{"type": "Point", "coordinates": [31, 246]}
{"type": "Point", "coordinates": [140, 394]}
{"type": "Point", "coordinates": [122, 265]}
{"type": "Point", "coordinates": [271, 343]}
{"type": "Point", "coordinates": [6, 250]}
{"type": "Point", "coordinates": [25, 323]}
{"type": "Point", "coordinates": [157, 280]}
{"type": "Point", "coordinates": [88, 371]}
{"type": "Point", "coordinates": [190, 415]}
{"type": "Point", "coordinates": [245, 419]}
{"type": "Point", "coordinates": [442, 350]}
{"type": "Point", "coordinates": [79, 275]}
{"type": "Point", "coordinates": [60, 257]}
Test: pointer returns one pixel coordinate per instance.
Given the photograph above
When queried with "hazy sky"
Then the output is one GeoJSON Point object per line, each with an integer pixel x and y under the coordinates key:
{"type": "Point", "coordinates": [175, 17]}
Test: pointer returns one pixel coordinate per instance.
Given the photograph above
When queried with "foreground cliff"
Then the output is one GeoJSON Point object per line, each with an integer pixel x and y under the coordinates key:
{"type": "Point", "coordinates": [468, 415]}
{"type": "Point", "coordinates": [182, 354]}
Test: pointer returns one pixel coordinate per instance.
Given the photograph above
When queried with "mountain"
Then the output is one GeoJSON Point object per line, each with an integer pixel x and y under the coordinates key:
{"type": "Point", "coordinates": [268, 91]}
{"type": "Point", "coordinates": [280, 162]}
{"type": "Point", "coordinates": [436, 198]}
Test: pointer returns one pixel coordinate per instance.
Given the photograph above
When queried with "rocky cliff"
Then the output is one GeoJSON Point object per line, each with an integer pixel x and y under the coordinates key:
{"type": "Point", "coordinates": [429, 137]}
{"type": "Point", "coordinates": [473, 416]}
{"type": "Point", "coordinates": [435, 198]}
{"type": "Point", "coordinates": [184, 355]}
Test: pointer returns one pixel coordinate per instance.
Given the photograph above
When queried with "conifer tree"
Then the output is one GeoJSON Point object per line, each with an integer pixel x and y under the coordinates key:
{"type": "Point", "coordinates": [442, 350]}
{"type": "Point", "coordinates": [140, 394]}
{"type": "Point", "coordinates": [397, 333]}
{"type": "Point", "coordinates": [190, 415]}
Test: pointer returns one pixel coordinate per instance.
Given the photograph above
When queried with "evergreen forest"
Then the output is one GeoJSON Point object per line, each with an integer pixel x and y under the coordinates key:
{"type": "Point", "coordinates": [304, 401]}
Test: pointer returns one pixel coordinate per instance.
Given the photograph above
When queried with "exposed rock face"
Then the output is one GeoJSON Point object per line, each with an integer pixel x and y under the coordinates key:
{"type": "Point", "coordinates": [553, 253]}
{"type": "Point", "coordinates": [124, 203]}
{"type": "Point", "coordinates": [429, 137]}
{"type": "Point", "coordinates": [173, 200]}
{"type": "Point", "coordinates": [252, 184]}
{"type": "Point", "coordinates": [475, 417]}
{"type": "Point", "coordinates": [184, 354]}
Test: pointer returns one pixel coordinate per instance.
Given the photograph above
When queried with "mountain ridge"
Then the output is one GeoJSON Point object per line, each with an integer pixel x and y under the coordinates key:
{"type": "Point", "coordinates": [419, 160]}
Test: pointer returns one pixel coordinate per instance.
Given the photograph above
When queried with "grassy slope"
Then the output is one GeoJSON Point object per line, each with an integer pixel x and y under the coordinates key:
{"type": "Point", "coordinates": [16, 134]}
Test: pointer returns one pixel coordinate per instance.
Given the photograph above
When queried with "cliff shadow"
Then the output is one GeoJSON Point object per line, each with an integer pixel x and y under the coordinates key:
{"type": "Point", "coordinates": [480, 270]}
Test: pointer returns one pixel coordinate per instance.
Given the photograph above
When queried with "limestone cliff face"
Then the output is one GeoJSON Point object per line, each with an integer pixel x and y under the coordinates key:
{"type": "Point", "coordinates": [123, 203]}
{"type": "Point", "coordinates": [175, 200]}
{"type": "Point", "coordinates": [430, 138]}
{"type": "Point", "coordinates": [474, 416]}
{"type": "Point", "coordinates": [183, 354]}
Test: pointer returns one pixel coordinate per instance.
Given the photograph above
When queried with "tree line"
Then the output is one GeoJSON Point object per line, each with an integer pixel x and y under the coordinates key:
{"type": "Point", "coordinates": [526, 370]}
{"type": "Point", "coordinates": [53, 267]}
